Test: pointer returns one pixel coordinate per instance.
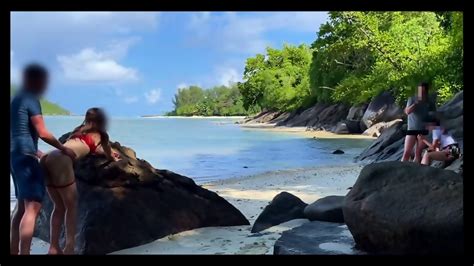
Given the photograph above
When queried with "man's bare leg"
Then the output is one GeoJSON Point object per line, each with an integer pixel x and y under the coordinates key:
{"type": "Point", "coordinates": [27, 225]}
{"type": "Point", "coordinates": [15, 227]}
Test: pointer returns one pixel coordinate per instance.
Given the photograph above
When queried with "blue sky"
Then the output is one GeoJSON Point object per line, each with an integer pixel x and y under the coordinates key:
{"type": "Point", "coordinates": [132, 63]}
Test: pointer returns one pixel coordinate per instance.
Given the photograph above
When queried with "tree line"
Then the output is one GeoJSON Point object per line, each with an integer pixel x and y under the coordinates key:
{"type": "Point", "coordinates": [356, 55]}
{"type": "Point", "coordinates": [219, 101]}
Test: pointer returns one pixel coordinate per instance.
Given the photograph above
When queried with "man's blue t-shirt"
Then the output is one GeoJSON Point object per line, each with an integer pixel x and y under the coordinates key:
{"type": "Point", "coordinates": [23, 136]}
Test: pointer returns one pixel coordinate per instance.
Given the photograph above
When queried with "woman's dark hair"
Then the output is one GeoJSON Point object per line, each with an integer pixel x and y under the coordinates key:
{"type": "Point", "coordinates": [424, 85]}
{"type": "Point", "coordinates": [94, 122]}
{"type": "Point", "coordinates": [433, 120]}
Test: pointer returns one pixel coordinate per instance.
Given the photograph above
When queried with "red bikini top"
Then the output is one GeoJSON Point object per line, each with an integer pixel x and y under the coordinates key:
{"type": "Point", "coordinates": [87, 139]}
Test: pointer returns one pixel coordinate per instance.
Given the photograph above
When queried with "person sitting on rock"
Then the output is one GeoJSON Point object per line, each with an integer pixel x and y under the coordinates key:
{"type": "Point", "coordinates": [417, 111]}
{"type": "Point", "coordinates": [443, 147]}
{"type": "Point", "coordinates": [88, 138]}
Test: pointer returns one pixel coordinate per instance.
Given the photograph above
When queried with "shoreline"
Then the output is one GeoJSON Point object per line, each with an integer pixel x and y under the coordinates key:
{"type": "Point", "coordinates": [322, 134]}
{"type": "Point", "coordinates": [193, 117]}
{"type": "Point", "coordinates": [250, 194]}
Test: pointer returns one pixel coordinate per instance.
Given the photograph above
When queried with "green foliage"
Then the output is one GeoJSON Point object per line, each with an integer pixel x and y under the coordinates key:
{"type": "Point", "coordinates": [359, 54]}
{"type": "Point", "coordinates": [219, 101]}
{"type": "Point", "coordinates": [47, 107]}
{"type": "Point", "coordinates": [278, 80]}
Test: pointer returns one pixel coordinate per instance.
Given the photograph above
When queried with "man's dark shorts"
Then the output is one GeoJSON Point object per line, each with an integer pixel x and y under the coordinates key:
{"type": "Point", "coordinates": [27, 177]}
{"type": "Point", "coordinates": [417, 132]}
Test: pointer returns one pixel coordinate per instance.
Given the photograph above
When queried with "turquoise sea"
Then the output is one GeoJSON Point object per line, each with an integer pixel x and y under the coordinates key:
{"type": "Point", "coordinates": [216, 148]}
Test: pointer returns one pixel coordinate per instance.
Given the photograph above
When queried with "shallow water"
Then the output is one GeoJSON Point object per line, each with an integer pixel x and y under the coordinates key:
{"type": "Point", "coordinates": [217, 148]}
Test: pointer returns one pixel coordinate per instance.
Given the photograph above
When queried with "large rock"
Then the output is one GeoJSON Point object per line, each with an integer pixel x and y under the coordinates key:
{"type": "Point", "coordinates": [377, 129]}
{"type": "Point", "coordinates": [327, 209]}
{"type": "Point", "coordinates": [405, 208]}
{"type": "Point", "coordinates": [388, 146]}
{"type": "Point", "coordinates": [128, 203]}
{"type": "Point", "coordinates": [316, 238]}
{"type": "Point", "coordinates": [348, 127]}
{"type": "Point", "coordinates": [382, 109]}
{"type": "Point", "coordinates": [321, 116]}
{"type": "Point", "coordinates": [262, 117]}
{"type": "Point", "coordinates": [356, 112]}
{"type": "Point", "coordinates": [283, 207]}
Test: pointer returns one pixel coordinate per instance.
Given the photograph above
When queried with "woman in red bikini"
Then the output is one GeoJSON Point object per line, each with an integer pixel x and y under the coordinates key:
{"type": "Point", "coordinates": [88, 138]}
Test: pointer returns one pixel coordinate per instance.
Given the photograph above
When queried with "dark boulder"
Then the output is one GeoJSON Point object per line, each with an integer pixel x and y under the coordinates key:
{"type": "Point", "coordinates": [405, 208]}
{"type": "Point", "coordinates": [348, 127]}
{"type": "Point", "coordinates": [382, 109]}
{"type": "Point", "coordinates": [316, 238]}
{"type": "Point", "coordinates": [327, 209]}
{"type": "Point", "coordinates": [321, 116]}
{"type": "Point", "coordinates": [388, 146]}
{"type": "Point", "coordinates": [338, 152]}
{"type": "Point", "coordinates": [262, 117]}
{"type": "Point", "coordinates": [128, 203]}
{"type": "Point", "coordinates": [283, 207]}
{"type": "Point", "coordinates": [356, 112]}
{"type": "Point", "coordinates": [377, 129]}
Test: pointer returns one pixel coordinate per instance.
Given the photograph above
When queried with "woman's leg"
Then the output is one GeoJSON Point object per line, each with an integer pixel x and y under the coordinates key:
{"type": "Point", "coordinates": [15, 227]}
{"type": "Point", "coordinates": [56, 221]}
{"type": "Point", "coordinates": [410, 141]}
{"type": "Point", "coordinates": [69, 197]}
{"type": "Point", "coordinates": [420, 145]}
{"type": "Point", "coordinates": [436, 156]}
{"type": "Point", "coordinates": [27, 225]}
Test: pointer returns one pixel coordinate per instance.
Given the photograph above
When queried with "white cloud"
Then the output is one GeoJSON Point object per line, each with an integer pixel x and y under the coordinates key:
{"type": "Point", "coordinates": [182, 85]}
{"type": "Point", "coordinates": [245, 32]}
{"type": "Point", "coordinates": [97, 66]}
{"type": "Point", "coordinates": [227, 76]}
{"type": "Point", "coordinates": [40, 36]}
{"type": "Point", "coordinates": [130, 99]}
{"type": "Point", "coordinates": [153, 96]}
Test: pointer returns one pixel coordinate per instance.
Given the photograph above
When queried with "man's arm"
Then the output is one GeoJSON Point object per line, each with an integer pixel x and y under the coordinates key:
{"type": "Point", "coordinates": [46, 136]}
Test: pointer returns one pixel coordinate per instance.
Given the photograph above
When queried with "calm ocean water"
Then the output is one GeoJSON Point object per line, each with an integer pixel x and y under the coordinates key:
{"type": "Point", "coordinates": [210, 149]}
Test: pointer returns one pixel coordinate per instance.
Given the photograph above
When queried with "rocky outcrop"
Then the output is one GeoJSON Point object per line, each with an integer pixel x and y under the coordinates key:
{"type": "Point", "coordinates": [405, 208]}
{"type": "Point", "coordinates": [283, 207]}
{"type": "Point", "coordinates": [128, 203]}
{"type": "Point", "coordinates": [356, 112]}
{"type": "Point", "coordinates": [327, 209]}
{"type": "Point", "coordinates": [316, 238]}
{"type": "Point", "coordinates": [388, 146]}
{"type": "Point", "coordinates": [377, 129]}
{"type": "Point", "coordinates": [262, 117]}
{"type": "Point", "coordinates": [381, 109]}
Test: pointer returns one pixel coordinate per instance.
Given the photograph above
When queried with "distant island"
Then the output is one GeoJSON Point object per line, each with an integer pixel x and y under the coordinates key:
{"type": "Point", "coordinates": [47, 107]}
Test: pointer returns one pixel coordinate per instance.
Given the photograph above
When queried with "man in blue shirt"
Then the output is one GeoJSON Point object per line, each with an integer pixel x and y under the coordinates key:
{"type": "Point", "coordinates": [26, 126]}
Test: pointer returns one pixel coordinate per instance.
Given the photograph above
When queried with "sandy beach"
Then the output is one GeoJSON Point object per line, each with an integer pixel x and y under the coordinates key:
{"type": "Point", "coordinates": [319, 134]}
{"type": "Point", "coordinates": [250, 195]}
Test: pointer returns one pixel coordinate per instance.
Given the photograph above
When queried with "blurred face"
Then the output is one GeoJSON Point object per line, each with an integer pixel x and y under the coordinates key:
{"type": "Point", "coordinates": [38, 86]}
{"type": "Point", "coordinates": [421, 93]}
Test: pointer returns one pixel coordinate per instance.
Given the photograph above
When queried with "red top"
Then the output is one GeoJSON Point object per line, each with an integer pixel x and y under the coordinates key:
{"type": "Point", "coordinates": [87, 139]}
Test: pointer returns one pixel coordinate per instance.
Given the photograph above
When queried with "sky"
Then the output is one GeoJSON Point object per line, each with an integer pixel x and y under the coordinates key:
{"type": "Point", "coordinates": [132, 63]}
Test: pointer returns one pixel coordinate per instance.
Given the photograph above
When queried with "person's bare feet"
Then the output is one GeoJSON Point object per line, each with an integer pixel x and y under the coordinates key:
{"type": "Point", "coordinates": [68, 250]}
{"type": "Point", "coordinates": [55, 251]}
